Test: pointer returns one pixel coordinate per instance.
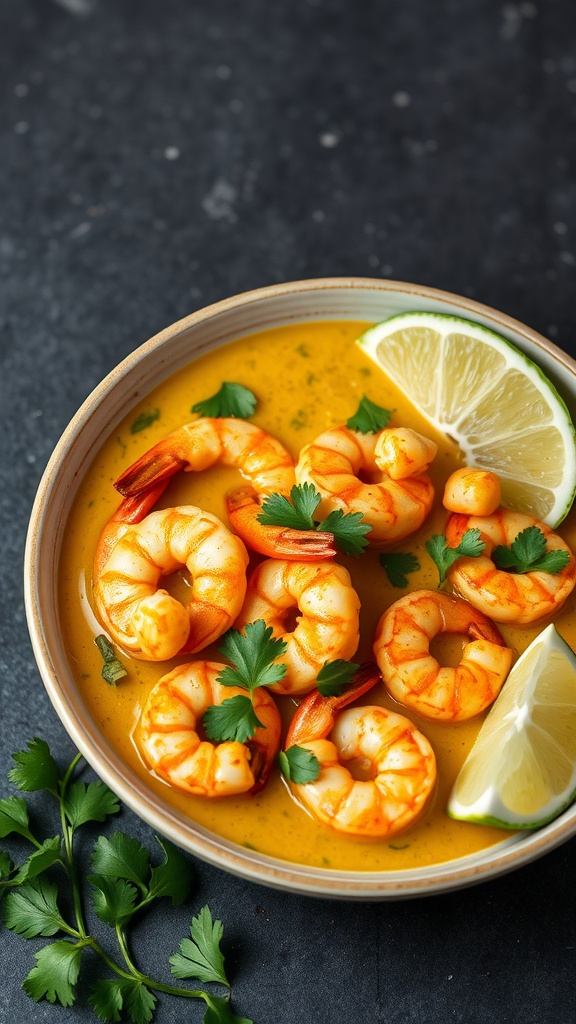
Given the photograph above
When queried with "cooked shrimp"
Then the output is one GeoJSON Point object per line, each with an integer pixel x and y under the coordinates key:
{"type": "Point", "coordinates": [507, 596]}
{"type": "Point", "coordinates": [243, 508]}
{"type": "Point", "coordinates": [395, 761]}
{"type": "Point", "coordinates": [340, 459]}
{"type": "Point", "coordinates": [135, 550]}
{"type": "Point", "coordinates": [170, 736]}
{"type": "Point", "coordinates": [196, 446]}
{"type": "Point", "coordinates": [472, 492]}
{"type": "Point", "coordinates": [415, 678]}
{"type": "Point", "coordinates": [327, 627]}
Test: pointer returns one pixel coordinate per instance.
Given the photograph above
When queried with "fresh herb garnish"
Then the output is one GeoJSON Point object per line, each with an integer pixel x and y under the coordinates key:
{"type": "Point", "coordinates": [334, 676]}
{"type": "Point", "coordinates": [369, 418]}
{"type": "Point", "coordinates": [112, 670]}
{"type": "Point", "coordinates": [528, 553]}
{"type": "Point", "coordinates": [145, 419]}
{"type": "Point", "coordinates": [471, 545]}
{"type": "Point", "coordinates": [299, 765]}
{"type": "Point", "coordinates": [123, 882]}
{"type": "Point", "coordinates": [253, 656]}
{"type": "Point", "coordinates": [397, 565]}
{"type": "Point", "coordinates": [297, 513]}
{"type": "Point", "coordinates": [231, 400]}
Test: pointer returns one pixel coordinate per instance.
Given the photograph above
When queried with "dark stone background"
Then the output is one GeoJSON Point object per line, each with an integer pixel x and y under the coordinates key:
{"type": "Point", "coordinates": [158, 156]}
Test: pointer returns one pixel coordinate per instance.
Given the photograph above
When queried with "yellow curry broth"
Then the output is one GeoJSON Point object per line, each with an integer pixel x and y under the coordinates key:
{"type": "Point", "coordinates": [307, 377]}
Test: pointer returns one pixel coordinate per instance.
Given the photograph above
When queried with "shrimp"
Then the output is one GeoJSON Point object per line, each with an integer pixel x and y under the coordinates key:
{"type": "Point", "coordinates": [399, 497]}
{"type": "Point", "coordinates": [267, 465]}
{"type": "Point", "coordinates": [243, 508]}
{"type": "Point", "coordinates": [196, 446]}
{"type": "Point", "coordinates": [506, 596]}
{"type": "Point", "coordinates": [328, 625]}
{"type": "Point", "coordinates": [135, 550]}
{"type": "Point", "coordinates": [395, 761]}
{"type": "Point", "coordinates": [169, 734]}
{"type": "Point", "coordinates": [415, 678]}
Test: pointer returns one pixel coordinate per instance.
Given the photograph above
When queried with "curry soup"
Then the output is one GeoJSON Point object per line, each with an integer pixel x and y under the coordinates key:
{"type": "Point", "coordinates": [306, 377]}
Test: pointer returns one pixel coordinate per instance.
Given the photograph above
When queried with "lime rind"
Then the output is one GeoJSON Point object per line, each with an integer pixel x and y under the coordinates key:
{"type": "Point", "coordinates": [539, 693]}
{"type": "Point", "coordinates": [532, 449]}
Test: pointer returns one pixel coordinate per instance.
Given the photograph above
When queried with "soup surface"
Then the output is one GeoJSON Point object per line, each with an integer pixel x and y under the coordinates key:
{"type": "Point", "coordinates": [306, 377]}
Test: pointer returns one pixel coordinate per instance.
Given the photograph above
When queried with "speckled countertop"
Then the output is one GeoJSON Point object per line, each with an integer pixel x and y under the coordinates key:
{"type": "Point", "coordinates": [159, 156]}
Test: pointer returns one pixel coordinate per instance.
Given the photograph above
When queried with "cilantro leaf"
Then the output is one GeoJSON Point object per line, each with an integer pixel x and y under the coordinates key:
{"type": "Point", "coordinates": [173, 877]}
{"type": "Point", "coordinates": [110, 996]}
{"type": "Point", "coordinates": [145, 419]}
{"type": "Point", "coordinates": [89, 802]}
{"type": "Point", "coordinates": [231, 400]}
{"type": "Point", "coordinates": [32, 909]}
{"type": "Point", "coordinates": [349, 529]}
{"type": "Point", "coordinates": [296, 513]}
{"type": "Point", "coordinates": [233, 719]}
{"type": "Point", "coordinates": [48, 853]}
{"type": "Point", "coordinates": [55, 974]}
{"type": "Point", "coordinates": [14, 817]}
{"type": "Point", "coordinates": [528, 553]}
{"type": "Point", "coordinates": [397, 565]}
{"type": "Point", "coordinates": [139, 1001]}
{"type": "Point", "coordinates": [252, 654]}
{"type": "Point", "coordinates": [471, 546]}
{"type": "Point", "coordinates": [369, 418]}
{"type": "Point", "coordinates": [107, 1000]}
{"type": "Point", "coordinates": [200, 956]}
{"type": "Point", "coordinates": [35, 768]}
{"type": "Point", "coordinates": [219, 1012]}
{"type": "Point", "coordinates": [334, 676]}
{"type": "Point", "coordinates": [114, 899]}
{"type": "Point", "coordinates": [121, 857]}
{"type": "Point", "coordinates": [299, 765]}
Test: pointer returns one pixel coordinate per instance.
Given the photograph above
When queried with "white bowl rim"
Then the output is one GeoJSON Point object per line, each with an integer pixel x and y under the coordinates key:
{"type": "Point", "coordinates": [318, 882]}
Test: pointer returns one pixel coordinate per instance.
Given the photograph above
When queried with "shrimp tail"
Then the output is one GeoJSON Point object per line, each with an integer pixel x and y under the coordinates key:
{"type": "Point", "coordinates": [156, 467]}
{"type": "Point", "coordinates": [315, 715]}
{"type": "Point", "coordinates": [262, 759]}
{"type": "Point", "coordinates": [135, 508]}
{"type": "Point", "coordinates": [243, 508]}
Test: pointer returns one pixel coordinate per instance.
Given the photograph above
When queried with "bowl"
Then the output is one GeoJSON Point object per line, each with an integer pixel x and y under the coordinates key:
{"type": "Point", "coordinates": [157, 359]}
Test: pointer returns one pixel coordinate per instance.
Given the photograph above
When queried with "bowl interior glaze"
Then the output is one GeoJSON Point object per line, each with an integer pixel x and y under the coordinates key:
{"type": "Point", "coordinates": [124, 388]}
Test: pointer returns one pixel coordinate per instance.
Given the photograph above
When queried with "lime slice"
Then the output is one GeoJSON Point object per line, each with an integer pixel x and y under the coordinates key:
{"type": "Point", "coordinates": [494, 402]}
{"type": "Point", "coordinates": [521, 771]}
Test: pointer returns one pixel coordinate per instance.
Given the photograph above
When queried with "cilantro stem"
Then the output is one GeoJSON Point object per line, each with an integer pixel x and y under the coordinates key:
{"type": "Point", "coordinates": [68, 840]}
{"type": "Point", "coordinates": [144, 979]}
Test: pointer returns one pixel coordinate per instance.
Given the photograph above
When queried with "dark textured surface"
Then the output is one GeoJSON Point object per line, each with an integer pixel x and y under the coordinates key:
{"type": "Point", "coordinates": [157, 156]}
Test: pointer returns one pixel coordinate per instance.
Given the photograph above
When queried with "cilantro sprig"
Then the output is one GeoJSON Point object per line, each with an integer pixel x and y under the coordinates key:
{"type": "Point", "coordinates": [253, 655]}
{"type": "Point", "coordinates": [297, 513]}
{"type": "Point", "coordinates": [528, 553]}
{"type": "Point", "coordinates": [123, 883]}
{"type": "Point", "coordinates": [299, 765]}
{"type": "Point", "coordinates": [231, 400]}
{"type": "Point", "coordinates": [443, 556]}
{"type": "Point", "coordinates": [369, 418]}
{"type": "Point", "coordinates": [334, 676]}
{"type": "Point", "coordinates": [398, 565]}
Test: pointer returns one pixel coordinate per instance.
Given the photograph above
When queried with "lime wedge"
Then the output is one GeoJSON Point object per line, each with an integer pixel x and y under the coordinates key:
{"type": "Point", "coordinates": [494, 402]}
{"type": "Point", "coordinates": [521, 771]}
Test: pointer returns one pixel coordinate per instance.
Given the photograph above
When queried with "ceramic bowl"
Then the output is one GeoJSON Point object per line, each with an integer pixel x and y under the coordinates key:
{"type": "Point", "coordinates": [341, 298]}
